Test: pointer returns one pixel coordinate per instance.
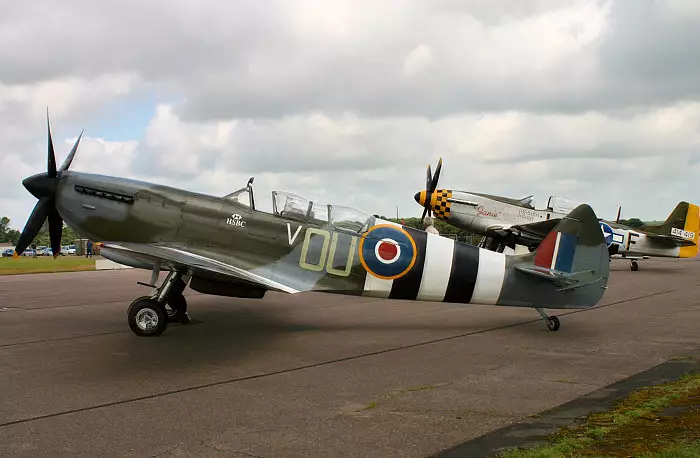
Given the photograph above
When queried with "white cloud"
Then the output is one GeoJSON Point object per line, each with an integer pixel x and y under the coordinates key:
{"type": "Point", "coordinates": [348, 101]}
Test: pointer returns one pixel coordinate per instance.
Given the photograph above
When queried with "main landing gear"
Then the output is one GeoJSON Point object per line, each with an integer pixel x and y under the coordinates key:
{"type": "Point", "coordinates": [552, 321]}
{"type": "Point", "coordinates": [148, 316]}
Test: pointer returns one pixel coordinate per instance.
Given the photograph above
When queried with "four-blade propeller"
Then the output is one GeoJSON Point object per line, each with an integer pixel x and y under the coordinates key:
{"type": "Point", "coordinates": [43, 186]}
{"type": "Point", "coordinates": [431, 183]}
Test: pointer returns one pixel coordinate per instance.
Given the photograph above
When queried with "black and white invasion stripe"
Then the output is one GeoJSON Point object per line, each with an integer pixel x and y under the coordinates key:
{"type": "Point", "coordinates": [444, 271]}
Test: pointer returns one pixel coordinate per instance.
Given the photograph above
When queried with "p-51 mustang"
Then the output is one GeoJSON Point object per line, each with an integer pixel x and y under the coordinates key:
{"type": "Point", "coordinates": [506, 222]}
{"type": "Point", "coordinates": [225, 246]}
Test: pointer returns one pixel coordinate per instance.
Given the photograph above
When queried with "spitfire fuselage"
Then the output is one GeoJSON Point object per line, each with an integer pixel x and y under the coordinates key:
{"type": "Point", "coordinates": [309, 252]}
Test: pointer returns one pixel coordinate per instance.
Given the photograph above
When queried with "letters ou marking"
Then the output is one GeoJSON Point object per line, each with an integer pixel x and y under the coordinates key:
{"type": "Point", "coordinates": [236, 220]}
{"type": "Point", "coordinates": [328, 241]}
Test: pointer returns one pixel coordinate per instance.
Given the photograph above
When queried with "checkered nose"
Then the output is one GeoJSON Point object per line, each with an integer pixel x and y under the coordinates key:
{"type": "Point", "coordinates": [440, 203]}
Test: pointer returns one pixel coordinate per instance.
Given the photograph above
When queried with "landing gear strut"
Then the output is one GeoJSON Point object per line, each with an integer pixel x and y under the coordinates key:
{"type": "Point", "coordinates": [552, 321]}
{"type": "Point", "coordinates": [148, 315]}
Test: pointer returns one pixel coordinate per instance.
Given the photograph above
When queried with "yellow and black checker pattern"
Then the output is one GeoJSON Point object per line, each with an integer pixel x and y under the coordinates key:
{"type": "Point", "coordinates": [440, 203]}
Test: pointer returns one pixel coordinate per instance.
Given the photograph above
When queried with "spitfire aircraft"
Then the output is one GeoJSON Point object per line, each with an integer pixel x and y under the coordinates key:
{"type": "Point", "coordinates": [505, 223]}
{"type": "Point", "coordinates": [226, 246]}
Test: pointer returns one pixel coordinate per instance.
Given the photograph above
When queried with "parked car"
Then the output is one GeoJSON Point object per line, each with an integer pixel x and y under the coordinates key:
{"type": "Point", "coordinates": [7, 252]}
{"type": "Point", "coordinates": [68, 249]}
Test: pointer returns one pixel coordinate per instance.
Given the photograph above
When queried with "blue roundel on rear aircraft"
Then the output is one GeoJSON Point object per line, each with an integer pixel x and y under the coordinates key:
{"type": "Point", "coordinates": [387, 251]}
{"type": "Point", "coordinates": [607, 233]}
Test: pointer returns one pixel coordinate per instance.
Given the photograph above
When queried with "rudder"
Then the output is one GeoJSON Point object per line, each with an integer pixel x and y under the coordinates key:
{"type": "Point", "coordinates": [691, 229]}
{"type": "Point", "coordinates": [576, 244]}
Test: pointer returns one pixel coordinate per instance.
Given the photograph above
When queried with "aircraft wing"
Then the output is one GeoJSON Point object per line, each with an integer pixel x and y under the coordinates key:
{"type": "Point", "coordinates": [176, 256]}
{"type": "Point", "coordinates": [539, 229]}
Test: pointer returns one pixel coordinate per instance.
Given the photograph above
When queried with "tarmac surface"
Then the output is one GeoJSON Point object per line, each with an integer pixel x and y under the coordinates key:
{"type": "Point", "coordinates": [311, 374]}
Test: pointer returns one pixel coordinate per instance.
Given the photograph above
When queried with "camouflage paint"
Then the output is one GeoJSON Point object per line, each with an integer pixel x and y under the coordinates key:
{"type": "Point", "coordinates": [218, 238]}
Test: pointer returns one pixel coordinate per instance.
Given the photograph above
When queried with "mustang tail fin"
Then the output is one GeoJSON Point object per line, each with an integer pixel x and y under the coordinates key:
{"type": "Point", "coordinates": [571, 265]}
{"type": "Point", "coordinates": [683, 223]}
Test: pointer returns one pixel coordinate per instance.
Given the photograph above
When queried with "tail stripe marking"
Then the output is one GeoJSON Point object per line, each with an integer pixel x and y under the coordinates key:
{"type": "Point", "coordinates": [545, 252]}
{"type": "Point", "coordinates": [566, 248]}
{"type": "Point", "coordinates": [557, 252]}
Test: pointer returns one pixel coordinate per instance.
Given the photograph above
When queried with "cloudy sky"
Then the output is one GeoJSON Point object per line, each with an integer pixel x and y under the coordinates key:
{"type": "Point", "coordinates": [348, 101]}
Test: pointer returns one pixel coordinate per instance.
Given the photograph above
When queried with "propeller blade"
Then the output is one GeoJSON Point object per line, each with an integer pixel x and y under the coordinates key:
{"type": "Point", "coordinates": [33, 226]}
{"type": "Point", "coordinates": [69, 159]}
{"type": "Point", "coordinates": [51, 166]}
{"type": "Point", "coordinates": [422, 218]}
{"type": "Point", "coordinates": [55, 230]}
{"type": "Point", "coordinates": [619, 209]}
{"type": "Point", "coordinates": [436, 177]}
{"type": "Point", "coordinates": [429, 179]}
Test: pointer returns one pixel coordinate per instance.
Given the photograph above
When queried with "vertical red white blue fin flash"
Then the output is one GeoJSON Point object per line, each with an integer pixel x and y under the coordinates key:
{"type": "Point", "coordinates": [557, 251]}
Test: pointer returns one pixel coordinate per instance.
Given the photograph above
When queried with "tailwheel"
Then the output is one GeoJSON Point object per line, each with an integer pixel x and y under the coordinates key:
{"type": "Point", "coordinates": [552, 321]}
{"type": "Point", "coordinates": [176, 309]}
{"type": "Point", "coordinates": [634, 266]}
{"type": "Point", "coordinates": [147, 317]}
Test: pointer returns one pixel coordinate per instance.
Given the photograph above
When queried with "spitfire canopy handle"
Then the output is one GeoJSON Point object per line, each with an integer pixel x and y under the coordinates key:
{"type": "Point", "coordinates": [43, 186]}
{"type": "Point", "coordinates": [430, 187]}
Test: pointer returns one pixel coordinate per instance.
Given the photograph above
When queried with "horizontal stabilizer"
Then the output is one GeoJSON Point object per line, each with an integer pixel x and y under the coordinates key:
{"type": "Point", "coordinates": [672, 239]}
{"type": "Point", "coordinates": [557, 277]}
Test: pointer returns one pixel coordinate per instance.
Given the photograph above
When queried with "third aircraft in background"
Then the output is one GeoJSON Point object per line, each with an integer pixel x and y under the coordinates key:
{"type": "Point", "coordinates": [505, 223]}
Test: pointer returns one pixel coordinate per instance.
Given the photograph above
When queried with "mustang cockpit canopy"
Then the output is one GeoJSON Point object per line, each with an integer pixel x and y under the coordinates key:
{"type": "Point", "coordinates": [561, 204]}
{"type": "Point", "coordinates": [293, 206]}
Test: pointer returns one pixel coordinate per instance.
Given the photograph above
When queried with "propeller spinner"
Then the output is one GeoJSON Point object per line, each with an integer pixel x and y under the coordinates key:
{"type": "Point", "coordinates": [425, 197]}
{"type": "Point", "coordinates": [43, 186]}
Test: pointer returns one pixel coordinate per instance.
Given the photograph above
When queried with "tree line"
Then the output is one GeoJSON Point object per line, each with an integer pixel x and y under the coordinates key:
{"type": "Point", "coordinates": [9, 235]}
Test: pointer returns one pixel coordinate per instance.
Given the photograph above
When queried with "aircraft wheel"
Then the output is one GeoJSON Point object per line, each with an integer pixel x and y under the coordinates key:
{"type": "Point", "coordinates": [177, 308]}
{"type": "Point", "coordinates": [634, 266]}
{"type": "Point", "coordinates": [147, 318]}
{"type": "Point", "coordinates": [553, 323]}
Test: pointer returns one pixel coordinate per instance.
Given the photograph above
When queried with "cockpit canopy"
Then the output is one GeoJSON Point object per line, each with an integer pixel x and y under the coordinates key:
{"type": "Point", "coordinates": [294, 206]}
{"type": "Point", "coordinates": [561, 204]}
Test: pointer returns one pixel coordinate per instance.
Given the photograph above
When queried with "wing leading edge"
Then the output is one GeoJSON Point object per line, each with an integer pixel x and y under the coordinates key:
{"type": "Point", "coordinates": [177, 256]}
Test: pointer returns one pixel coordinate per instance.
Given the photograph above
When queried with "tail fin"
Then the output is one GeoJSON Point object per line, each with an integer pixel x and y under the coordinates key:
{"type": "Point", "coordinates": [572, 260]}
{"type": "Point", "coordinates": [684, 222]}
{"type": "Point", "coordinates": [576, 244]}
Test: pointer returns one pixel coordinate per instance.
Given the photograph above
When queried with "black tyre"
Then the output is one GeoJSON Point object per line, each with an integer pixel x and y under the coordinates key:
{"type": "Point", "coordinates": [177, 308]}
{"type": "Point", "coordinates": [147, 318]}
{"type": "Point", "coordinates": [553, 323]}
{"type": "Point", "coordinates": [634, 266]}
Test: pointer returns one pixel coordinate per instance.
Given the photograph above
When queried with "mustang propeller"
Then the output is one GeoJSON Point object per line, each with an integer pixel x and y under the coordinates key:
{"type": "Point", "coordinates": [425, 197]}
{"type": "Point", "coordinates": [43, 186]}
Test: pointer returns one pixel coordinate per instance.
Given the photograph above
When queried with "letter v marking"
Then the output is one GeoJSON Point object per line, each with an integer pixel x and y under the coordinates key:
{"type": "Point", "coordinates": [289, 233]}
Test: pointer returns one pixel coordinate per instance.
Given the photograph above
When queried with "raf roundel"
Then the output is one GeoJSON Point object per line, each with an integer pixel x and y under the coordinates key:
{"type": "Point", "coordinates": [387, 251]}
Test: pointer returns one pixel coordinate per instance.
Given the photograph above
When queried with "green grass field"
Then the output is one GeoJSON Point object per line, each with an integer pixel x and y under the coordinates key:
{"type": "Point", "coordinates": [44, 264]}
{"type": "Point", "coordinates": [660, 421]}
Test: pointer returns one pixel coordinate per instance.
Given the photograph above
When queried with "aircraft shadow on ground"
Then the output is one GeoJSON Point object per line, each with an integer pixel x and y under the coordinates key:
{"type": "Point", "coordinates": [223, 336]}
